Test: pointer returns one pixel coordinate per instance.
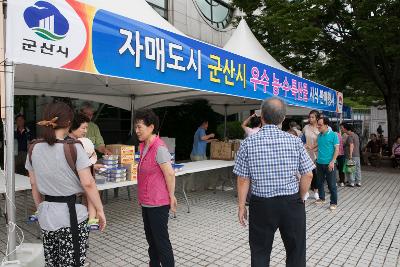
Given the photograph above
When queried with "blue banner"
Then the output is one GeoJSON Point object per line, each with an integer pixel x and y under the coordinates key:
{"type": "Point", "coordinates": [127, 48]}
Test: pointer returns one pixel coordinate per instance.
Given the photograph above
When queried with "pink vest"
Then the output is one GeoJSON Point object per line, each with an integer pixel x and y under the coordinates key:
{"type": "Point", "coordinates": [152, 188]}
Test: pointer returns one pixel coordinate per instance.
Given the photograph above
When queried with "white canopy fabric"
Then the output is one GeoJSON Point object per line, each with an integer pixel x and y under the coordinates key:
{"type": "Point", "coordinates": [244, 43]}
{"type": "Point", "coordinates": [118, 92]}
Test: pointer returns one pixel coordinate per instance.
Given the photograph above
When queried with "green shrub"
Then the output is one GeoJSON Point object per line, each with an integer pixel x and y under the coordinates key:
{"type": "Point", "coordinates": [233, 130]}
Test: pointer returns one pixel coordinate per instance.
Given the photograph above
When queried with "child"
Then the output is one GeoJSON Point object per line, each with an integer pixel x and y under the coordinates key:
{"type": "Point", "coordinates": [293, 132]}
{"type": "Point", "coordinates": [93, 223]}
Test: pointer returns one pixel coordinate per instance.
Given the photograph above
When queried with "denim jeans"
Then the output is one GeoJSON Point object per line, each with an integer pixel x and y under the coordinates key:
{"type": "Point", "coordinates": [356, 176]}
{"type": "Point", "coordinates": [323, 174]}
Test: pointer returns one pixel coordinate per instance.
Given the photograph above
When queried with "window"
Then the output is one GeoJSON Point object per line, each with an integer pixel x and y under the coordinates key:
{"type": "Point", "coordinates": [217, 12]}
{"type": "Point", "coordinates": [161, 6]}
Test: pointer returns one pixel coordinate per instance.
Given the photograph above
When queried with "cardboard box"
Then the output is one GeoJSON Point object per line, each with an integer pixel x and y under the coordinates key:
{"type": "Point", "coordinates": [221, 150]}
{"type": "Point", "coordinates": [131, 171]}
{"type": "Point", "coordinates": [127, 159]}
{"type": "Point", "coordinates": [225, 150]}
{"type": "Point", "coordinates": [121, 150]}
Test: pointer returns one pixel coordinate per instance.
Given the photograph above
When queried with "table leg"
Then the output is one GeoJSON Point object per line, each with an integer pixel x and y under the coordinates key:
{"type": "Point", "coordinates": [106, 196]}
{"type": "Point", "coordinates": [184, 194]}
{"type": "Point", "coordinates": [129, 193]}
{"type": "Point", "coordinates": [26, 205]}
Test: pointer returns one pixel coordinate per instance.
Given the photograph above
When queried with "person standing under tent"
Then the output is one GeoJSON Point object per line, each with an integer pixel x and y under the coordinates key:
{"type": "Point", "coordinates": [156, 188]}
{"type": "Point", "coordinates": [255, 124]}
{"type": "Point", "coordinates": [199, 150]}
{"type": "Point", "coordinates": [93, 132]}
{"type": "Point", "coordinates": [200, 141]}
{"type": "Point", "coordinates": [78, 131]}
{"type": "Point", "coordinates": [55, 186]}
{"type": "Point", "coordinates": [310, 132]}
{"type": "Point", "coordinates": [23, 136]}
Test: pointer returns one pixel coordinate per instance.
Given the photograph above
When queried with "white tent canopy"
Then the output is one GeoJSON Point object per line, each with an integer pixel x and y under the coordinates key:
{"type": "Point", "coordinates": [34, 80]}
{"type": "Point", "coordinates": [244, 43]}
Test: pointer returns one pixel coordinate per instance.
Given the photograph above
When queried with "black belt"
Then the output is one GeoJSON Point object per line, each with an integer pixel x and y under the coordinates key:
{"type": "Point", "coordinates": [70, 201]}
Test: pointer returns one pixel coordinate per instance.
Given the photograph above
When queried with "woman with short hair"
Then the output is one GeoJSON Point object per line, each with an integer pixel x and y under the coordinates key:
{"type": "Point", "coordinates": [156, 188]}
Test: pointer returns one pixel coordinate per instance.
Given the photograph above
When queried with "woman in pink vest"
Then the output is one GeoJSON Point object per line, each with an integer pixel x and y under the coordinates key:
{"type": "Point", "coordinates": [156, 188]}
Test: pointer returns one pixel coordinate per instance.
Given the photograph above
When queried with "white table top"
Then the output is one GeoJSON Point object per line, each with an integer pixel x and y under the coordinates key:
{"type": "Point", "coordinates": [204, 165]}
{"type": "Point", "coordinates": [22, 182]}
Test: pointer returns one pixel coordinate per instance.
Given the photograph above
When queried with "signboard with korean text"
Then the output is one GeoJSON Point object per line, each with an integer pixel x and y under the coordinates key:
{"type": "Point", "coordinates": [72, 35]}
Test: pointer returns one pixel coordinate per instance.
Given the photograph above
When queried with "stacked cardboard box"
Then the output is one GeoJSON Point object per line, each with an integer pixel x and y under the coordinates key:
{"type": "Point", "coordinates": [131, 171]}
{"type": "Point", "coordinates": [126, 153]}
{"type": "Point", "coordinates": [224, 150]}
{"type": "Point", "coordinates": [126, 159]}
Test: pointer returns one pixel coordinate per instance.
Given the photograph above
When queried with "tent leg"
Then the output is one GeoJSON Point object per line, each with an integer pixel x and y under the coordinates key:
{"type": "Point", "coordinates": [132, 115]}
{"type": "Point", "coordinates": [225, 118]}
{"type": "Point", "coordinates": [9, 156]}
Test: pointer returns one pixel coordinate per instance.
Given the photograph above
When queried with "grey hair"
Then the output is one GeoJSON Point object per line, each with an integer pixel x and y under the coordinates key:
{"type": "Point", "coordinates": [273, 110]}
{"type": "Point", "coordinates": [86, 105]}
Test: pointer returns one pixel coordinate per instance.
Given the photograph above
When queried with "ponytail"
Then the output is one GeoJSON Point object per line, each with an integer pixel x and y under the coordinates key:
{"type": "Point", "coordinates": [56, 116]}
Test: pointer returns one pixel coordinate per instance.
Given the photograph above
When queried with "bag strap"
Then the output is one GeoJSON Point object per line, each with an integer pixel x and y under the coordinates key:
{"type": "Point", "coordinates": [31, 146]}
{"type": "Point", "coordinates": [69, 151]}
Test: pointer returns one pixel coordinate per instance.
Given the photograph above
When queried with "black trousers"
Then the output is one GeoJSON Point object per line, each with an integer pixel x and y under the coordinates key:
{"type": "Point", "coordinates": [340, 164]}
{"type": "Point", "coordinates": [156, 229]}
{"type": "Point", "coordinates": [266, 215]}
{"type": "Point", "coordinates": [314, 181]}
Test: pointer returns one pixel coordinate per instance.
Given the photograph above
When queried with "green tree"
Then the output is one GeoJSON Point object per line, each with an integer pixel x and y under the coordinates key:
{"type": "Point", "coordinates": [349, 45]}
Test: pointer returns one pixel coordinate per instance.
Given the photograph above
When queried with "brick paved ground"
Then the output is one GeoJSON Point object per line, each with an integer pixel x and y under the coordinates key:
{"type": "Point", "coordinates": [363, 231]}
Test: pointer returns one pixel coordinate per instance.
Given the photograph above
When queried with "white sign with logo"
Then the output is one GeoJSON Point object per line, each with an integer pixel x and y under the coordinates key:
{"type": "Point", "coordinates": [46, 33]}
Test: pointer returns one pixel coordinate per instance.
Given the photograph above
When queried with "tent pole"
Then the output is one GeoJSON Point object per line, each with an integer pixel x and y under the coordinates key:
{"type": "Point", "coordinates": [225, 117]}
{"type": "Point", "coordinates": [9, 156]}
{"type": "Point", "coordinates": [132, 115]}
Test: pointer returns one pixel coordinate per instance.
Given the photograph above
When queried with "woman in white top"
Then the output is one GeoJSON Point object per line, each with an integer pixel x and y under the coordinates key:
{"type": "Point", "coordinates": [311, 132]}
{"type": "Point", "coordinates": [255, 124]}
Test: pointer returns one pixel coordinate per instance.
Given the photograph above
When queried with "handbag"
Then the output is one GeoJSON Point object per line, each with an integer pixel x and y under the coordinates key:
{"type": "Point", "coordinates": [350, 166]}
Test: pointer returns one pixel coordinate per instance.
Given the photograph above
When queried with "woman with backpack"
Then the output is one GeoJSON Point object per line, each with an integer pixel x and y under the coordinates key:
{"type": "Point", "coordinates": [58, 171]}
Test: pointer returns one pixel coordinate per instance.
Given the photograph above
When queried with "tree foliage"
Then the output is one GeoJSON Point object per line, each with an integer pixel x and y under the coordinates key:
{"type": "Point", "coordinates": [349, 45]}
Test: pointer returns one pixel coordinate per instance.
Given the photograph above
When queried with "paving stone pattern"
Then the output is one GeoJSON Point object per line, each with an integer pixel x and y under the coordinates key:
{"type": "Point", "coordinates": [363, 231]}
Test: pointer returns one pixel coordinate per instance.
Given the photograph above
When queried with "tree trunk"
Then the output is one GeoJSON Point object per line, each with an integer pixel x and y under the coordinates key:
{"type": "Point", "coordinates": [393, 115]}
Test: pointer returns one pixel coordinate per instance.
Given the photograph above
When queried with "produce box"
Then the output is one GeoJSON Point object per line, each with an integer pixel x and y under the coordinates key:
{"type": "Point", "coordinates": [131, 171]}
{"type": "Point", "coordinates": [221, 150]}
{"type": "Point", "coordinates": [121, 150]}
{"type": "Point", "coordinates": [127, 159]}
{"type": "Point", "coordinates": [126, 153]}
{"type": "Point", "coordinates": [225, 150]}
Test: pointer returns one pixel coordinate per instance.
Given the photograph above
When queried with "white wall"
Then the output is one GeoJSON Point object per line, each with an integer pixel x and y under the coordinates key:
{"type": "Point", "coordinates": [184, 15]}
{"type": "Point", "coordinates": [379, 117]}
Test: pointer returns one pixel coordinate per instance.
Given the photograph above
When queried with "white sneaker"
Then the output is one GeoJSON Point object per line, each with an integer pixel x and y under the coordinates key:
{"type": "Point", "coordinates": [316, 196]}
{"type": "Point", "coordinates": [341, 184]}
{"type": "Point", "coordinates": [306, 196]}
